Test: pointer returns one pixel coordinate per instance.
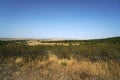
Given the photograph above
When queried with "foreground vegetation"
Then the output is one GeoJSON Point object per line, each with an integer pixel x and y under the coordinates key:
{"type": "Point", "coordinates": [90, 60]}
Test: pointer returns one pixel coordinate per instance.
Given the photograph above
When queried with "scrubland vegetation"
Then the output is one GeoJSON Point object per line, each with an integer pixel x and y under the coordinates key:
{"type": "Point", "coordinates": [90, 60]}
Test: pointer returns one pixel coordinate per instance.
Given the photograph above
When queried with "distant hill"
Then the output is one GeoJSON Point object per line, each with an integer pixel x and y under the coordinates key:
{"type": "Point", "coordinates": [50, 39]}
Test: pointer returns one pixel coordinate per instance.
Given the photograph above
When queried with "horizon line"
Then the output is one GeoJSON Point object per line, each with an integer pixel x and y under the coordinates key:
{"type": "Point", "coordinates": [18, 38]}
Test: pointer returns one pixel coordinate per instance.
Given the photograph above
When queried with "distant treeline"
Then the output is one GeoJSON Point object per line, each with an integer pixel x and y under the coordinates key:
{"type": "Point", "coordinates": [112, 40]}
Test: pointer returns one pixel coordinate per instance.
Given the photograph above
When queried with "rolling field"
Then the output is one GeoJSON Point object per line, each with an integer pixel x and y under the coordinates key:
{"type": "Point", "coordinates": [60, 60]}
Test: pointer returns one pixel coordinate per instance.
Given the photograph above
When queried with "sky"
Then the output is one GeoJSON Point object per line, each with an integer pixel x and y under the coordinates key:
{"type": "Point", "coordinates": [68, 19]}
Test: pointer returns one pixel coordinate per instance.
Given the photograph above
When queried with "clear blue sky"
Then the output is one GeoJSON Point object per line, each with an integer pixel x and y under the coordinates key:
{"type": "Point", "coordinates": [75, 19]}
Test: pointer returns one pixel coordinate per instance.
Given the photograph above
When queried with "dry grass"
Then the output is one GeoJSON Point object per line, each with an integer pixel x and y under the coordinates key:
{"type": "Point", "coordinates": [60, 69]}
{"type": "Point", "coordinates": [32, 43]}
